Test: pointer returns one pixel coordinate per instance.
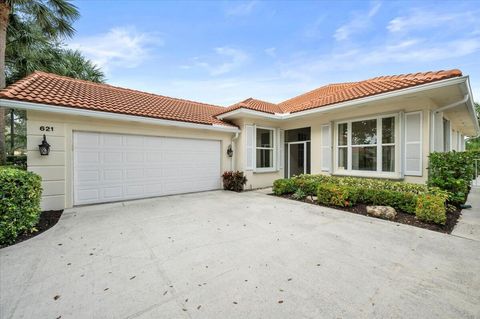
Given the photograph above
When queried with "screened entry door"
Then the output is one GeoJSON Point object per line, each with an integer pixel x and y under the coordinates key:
{"type": "Point", "coordinates": [298, 158]}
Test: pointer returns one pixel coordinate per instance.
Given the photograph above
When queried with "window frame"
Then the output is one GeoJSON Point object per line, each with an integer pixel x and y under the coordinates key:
{"type": "Point", "coordinates": [379, 147]}
{"type": "Point", "coordinates": [272, 168]}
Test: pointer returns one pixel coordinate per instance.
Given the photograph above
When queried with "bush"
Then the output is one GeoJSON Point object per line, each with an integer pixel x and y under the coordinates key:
{"type": "Point", "coordinates": [337, 195]}
{"type": "Point", "coordinates": [347, 191]}
{"type": "Point", "coordinates": [234, 181]}
{"type": "Point", "coordinates": [299, 194]}
{"type": "Point", "coordinates": [17, 161]}
{"type": "Point", "coordinates": [20, 193]}
{"type": "Point", "coordinates": [404, 201]}
{"type": "Point", "coordinates": [453, 172]}
{"type": "Point", "coordinates": [431, 208]}
{"type": "Point", "coordinates": [284, 186]}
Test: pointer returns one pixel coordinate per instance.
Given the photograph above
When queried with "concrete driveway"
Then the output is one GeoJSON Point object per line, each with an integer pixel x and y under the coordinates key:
{"type": "Point", "coordinates": [228, 255]}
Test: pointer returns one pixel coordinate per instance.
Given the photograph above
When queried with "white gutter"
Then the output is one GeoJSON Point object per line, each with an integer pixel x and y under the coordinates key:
{"type": "Point", "coordinates": [112, 116]}
{"type": "Point", "coordinates": [356, 102]}
{"type": "Point", "coordinates": [244, 111]}
{"type": "Point", "coordinates": [443, 108]}
{"type": "Point", "coordinates": [471, 107]}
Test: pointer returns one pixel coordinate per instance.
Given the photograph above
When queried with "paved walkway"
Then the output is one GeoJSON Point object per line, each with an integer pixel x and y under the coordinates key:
{"type": "Point", "coordinates": [468, 225]}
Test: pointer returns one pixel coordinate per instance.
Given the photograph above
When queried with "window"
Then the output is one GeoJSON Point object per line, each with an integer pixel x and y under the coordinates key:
{"type": "Point", "coordinates": [367, 145]}
{"type": "Point", "coordinates": [264, 148]}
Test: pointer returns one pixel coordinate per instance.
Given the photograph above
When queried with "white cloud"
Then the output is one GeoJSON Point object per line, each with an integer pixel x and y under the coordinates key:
{"type": "Point", "coordinates": [359, 22]}
{"type": "Point", "coordinates": [271, 52]}
{"type": "Point", "coordinates": [427, 19]}
{"type": "Point", "coordinates": [314, 30]}
{"type": "Point", "coordinates": [119, 47]}
{"type": "Point", "coordinates": [241, 9]}
{"type": "Point", "coordinates": [225, 60]}
{"type": "Point", "coordinates": [414, 52]}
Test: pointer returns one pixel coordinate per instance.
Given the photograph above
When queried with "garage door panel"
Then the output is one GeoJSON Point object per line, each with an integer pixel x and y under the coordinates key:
{"type": "Point", "coordinates": [134, 141]}
{"type": "Point", "coordinates": [88, 195]}
{"type": "Point", "coordinates": [113, 192]}
{"type": "Point", "coordinates": [87, 140]}
{"type": "Point", "coordinates": [113, 175]}
{"type": "Point", "coordinates": [87, 157]}
{"type": "Point", "coordinates": [111, 140]}
{"type": "Point", "coordinates": [112, 167]}
{"type": "Point", "coordinates": [88, 176]}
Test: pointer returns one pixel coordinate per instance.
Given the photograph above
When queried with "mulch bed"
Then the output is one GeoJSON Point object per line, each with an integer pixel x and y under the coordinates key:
{"type": "Point", "coordinates": [48, 219]}
{"type": "Point", "coordinates": [402, 217]}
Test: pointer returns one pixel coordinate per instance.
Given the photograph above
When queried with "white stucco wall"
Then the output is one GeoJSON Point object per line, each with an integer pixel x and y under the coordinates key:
{"type": "Point", "coordinates": [315, 122]}
{"type": "Point", "coordinates": [56, 169]}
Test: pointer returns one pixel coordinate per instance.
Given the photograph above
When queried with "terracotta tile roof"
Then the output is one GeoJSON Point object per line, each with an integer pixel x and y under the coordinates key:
{"type": "Point", "coordinates": [254, 104]}
{"type": "Point", "coordinates": [341, 92]}
{"type": "Point", "coordinates": [46, 88]}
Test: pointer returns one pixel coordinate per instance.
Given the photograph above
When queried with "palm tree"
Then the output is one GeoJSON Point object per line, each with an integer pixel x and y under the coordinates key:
{"type": "Point", "coordinates": [73, 64]}
{"type": "Point", "coordinates": [53, 17]}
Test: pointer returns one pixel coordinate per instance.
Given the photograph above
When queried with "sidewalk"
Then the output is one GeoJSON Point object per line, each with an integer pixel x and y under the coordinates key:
{"type": "Point", "coordinates": [468, 225]}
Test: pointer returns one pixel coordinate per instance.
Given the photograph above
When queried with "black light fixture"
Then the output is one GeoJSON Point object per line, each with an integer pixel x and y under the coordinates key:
{"type": "Point", "coordinates": [230, 151]}
{"type": "Point", "coordinates": [44, 147]}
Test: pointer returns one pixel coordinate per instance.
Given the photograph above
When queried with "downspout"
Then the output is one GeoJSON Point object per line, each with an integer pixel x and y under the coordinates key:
{"type": "Point", "coordinates": [441, 109]}
{"type": "Point", "coordinates": [232, 162]}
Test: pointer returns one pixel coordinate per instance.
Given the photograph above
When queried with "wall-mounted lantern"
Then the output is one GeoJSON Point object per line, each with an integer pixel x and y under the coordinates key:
{"type": "Point", "coordinates": [229, 151]}
{"type": "Point", "coordinates": [44, 147]}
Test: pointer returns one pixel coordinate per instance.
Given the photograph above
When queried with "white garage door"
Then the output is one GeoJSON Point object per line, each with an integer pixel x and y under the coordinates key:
{"type": "Point", "coordinates": [113, 167]}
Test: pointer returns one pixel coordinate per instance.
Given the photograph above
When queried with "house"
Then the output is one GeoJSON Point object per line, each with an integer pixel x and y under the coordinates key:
{"type": "Point", "coordinates": [110, 144]}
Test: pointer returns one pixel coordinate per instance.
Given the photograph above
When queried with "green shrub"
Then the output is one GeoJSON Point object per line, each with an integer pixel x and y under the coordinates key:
{"type": "Point", "coordinates": [17, 161]}
{"type": "Point", "coordinates": [337, 195]}
{"type": "Point", "coordinates": [347, 191]}
{"type": "Point", "coordinates": [404, 201]}
{"type": "Point", "coordinates": [234, 181]}
{"type": "Point", "coordinates": [284, 186]}
{"type": "Point", "coordinates": [20, 193]}
{"type": "Point", "coordinates": [431, 208]}
{"type": "Point", "coordinates": [299, 194]}
{"type": "Point", "coordinates": [453, 172]}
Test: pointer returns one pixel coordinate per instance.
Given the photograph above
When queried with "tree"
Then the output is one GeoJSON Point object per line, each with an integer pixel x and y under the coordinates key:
{"type": "Point", "coordinates": [54, 19]}
{"type": "Point", "coordinates": [29, 50]}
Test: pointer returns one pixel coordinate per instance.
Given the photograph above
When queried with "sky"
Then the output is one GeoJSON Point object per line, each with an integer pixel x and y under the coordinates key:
{"type": "Point", "coordinates": [222, 52]}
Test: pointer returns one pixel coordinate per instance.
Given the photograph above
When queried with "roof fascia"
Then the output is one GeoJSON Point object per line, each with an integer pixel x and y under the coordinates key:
{"type": "Point", "coordinates": [112, 116]}
{"type": "Point", "coordinates": [356, 102]}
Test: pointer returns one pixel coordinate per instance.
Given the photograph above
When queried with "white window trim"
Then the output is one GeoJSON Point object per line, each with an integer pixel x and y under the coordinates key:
{"type": "Point", "coordinates": [396, 174]}
{"type": "Point", "coordinates": [274, 151]}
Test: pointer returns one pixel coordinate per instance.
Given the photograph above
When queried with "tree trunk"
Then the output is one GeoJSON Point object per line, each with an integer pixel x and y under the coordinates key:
{"type": "Point", "coordinates": [4, 14]}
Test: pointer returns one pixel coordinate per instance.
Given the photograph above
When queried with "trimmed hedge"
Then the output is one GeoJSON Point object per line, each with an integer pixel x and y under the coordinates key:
{"type": "Point", "coordinates": [431, 208]}
{"type": "Point", "coordinates": [347, 191]}
{"type": "Point", "coordinates": [337, 195]}
{"type": "Point", "coordinates": [20, 193]}
{"type": "Point", "coordinates": [453, 172]}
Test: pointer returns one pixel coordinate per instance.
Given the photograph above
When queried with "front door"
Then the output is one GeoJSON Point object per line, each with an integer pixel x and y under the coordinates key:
{"type": "Point", "coordinates": [297, 158]}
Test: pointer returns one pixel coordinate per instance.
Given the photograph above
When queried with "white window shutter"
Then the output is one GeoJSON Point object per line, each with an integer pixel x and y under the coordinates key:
{"type": "Point", "coordinates": [326, 148]}
{"type": "Point", "coordinates": [438, 142]}
{"type": "Point", "coordinates": [249, 147]}
{"type": "Point", "coordinates": [413, 144]}
{"type": "Point", "coordinates": [281, 149]}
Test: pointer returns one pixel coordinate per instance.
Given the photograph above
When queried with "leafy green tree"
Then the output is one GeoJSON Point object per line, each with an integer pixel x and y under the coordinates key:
{"type": "Point", "coordinates": [54, 18]}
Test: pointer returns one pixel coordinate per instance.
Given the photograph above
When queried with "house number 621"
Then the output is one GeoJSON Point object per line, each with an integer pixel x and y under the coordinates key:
{"type": "Point", "coordinates": [46, 128]}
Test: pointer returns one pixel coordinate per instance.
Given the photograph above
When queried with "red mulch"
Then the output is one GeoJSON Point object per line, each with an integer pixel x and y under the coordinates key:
{"type": "Point", "coordinates": [47, 220]}
{"type": "Point", "coordinates": [402, 217]}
